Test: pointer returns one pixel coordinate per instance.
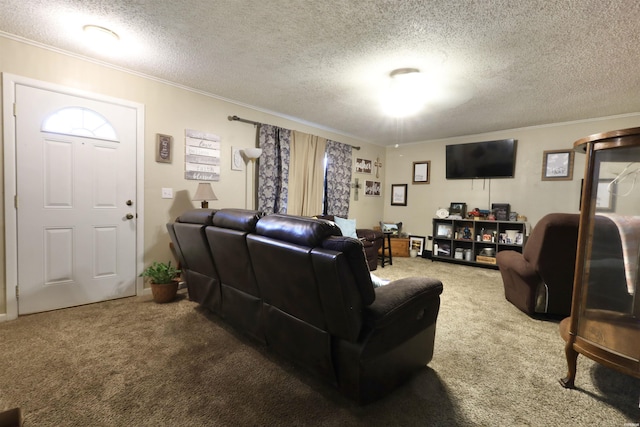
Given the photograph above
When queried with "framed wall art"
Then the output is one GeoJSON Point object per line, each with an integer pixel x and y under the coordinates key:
{"type": "Point", "coordinates": [557, 165]}
{"type": "Point", "coordinates": [364, 166]}
{"type": "Point", "coordinates": [372, 188]}
{"type": "Point", "coordinates": [398, 194]}
{"type": "Point", "coordinates": [164, 148]}
{"type": "Point", "coordinates": [421, 172]}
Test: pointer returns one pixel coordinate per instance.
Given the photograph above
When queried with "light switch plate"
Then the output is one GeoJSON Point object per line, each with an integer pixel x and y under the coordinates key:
{"type": "Point", "coordinates": [167, 193]}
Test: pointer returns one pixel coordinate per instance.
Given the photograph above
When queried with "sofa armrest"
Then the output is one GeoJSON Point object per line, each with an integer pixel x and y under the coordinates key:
{"type": "Point", "coordinates": [368, 234]}
{"type": "Point", "coordinates": [401, 297]}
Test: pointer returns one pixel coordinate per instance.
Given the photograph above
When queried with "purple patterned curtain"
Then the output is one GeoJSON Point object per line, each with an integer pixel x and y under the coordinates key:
{"type": "Point", "coordinates": [273, 169]}
{"type": "Point", "coordinates": [339, 164]}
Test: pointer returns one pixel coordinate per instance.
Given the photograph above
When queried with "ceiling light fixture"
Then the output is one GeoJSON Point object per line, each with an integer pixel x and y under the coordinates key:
{"type": "Point", "coordinates": [101, 37]}
{"type": "Point", "coordinates": [406, 93]}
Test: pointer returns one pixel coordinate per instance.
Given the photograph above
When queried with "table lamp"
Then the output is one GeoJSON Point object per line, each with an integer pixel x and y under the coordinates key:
{"type": "Point", "coordinates": [204, 192]}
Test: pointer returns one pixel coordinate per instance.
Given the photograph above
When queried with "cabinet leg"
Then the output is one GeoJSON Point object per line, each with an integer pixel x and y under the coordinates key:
{"type": "Point", "coordinates": [572, 360]}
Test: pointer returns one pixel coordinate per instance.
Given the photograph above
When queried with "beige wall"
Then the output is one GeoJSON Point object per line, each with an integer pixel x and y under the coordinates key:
{"type": "Point", "coordinates": [526, 192]}
{"type": "Point", "coordinates": [169, 110]}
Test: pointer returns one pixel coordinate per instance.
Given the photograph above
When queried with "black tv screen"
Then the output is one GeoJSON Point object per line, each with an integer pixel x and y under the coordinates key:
{"type": "Point", "coordinates": [488, 159]}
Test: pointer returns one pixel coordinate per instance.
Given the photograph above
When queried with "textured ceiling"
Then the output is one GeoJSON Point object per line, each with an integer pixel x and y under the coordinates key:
{"type": "Point", "coordinates": [501, 64]}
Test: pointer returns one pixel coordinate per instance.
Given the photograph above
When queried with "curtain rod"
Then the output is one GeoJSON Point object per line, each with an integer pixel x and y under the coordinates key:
{"type": "Point", "coordinates": [240, 119]}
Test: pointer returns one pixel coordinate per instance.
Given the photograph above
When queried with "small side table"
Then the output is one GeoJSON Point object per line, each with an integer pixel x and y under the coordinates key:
{"type": "Point", "coordinates": [386, 249]}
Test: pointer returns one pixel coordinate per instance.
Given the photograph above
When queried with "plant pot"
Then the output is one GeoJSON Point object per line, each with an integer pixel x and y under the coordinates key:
{"type": "Point", "coordinates": [164, 292]}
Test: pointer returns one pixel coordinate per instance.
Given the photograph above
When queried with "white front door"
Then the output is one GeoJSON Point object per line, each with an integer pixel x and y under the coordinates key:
{"type": "Point", "coordinates": [76, 199]}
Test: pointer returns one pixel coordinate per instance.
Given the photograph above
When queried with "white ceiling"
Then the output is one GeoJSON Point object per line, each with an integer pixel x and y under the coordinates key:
{"type": "Point", "coordinates": [503, 63]}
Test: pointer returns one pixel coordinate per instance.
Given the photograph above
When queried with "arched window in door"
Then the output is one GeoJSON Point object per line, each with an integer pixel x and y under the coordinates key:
{"type": "Point", "coordinates": [80, 122]}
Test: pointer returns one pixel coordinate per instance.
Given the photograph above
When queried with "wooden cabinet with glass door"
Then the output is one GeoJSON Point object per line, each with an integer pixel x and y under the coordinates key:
{"type": "Point", "coordinates": [605, 314]}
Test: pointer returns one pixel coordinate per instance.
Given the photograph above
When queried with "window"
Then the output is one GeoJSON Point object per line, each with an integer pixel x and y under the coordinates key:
{"type": "Point", "coordinates": [79, 122]}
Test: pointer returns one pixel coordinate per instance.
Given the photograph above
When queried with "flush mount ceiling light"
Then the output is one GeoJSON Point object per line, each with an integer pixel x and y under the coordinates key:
{"type": "Point", "coordinates": [100, 36]}
{"type": "Point", "coordinates": [406, 93]}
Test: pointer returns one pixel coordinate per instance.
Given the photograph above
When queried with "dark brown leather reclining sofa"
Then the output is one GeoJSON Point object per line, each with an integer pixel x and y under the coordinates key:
{"type": "Point", "coordinates": [297, 286]}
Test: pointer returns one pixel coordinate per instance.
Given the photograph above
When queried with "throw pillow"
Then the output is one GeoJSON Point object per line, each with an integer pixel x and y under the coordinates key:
{"type": "Point", "coordinates": [347, 226]}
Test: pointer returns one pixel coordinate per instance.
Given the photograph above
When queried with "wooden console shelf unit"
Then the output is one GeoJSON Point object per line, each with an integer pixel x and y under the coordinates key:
{"type": "Point", "coordinates": [470, 242]}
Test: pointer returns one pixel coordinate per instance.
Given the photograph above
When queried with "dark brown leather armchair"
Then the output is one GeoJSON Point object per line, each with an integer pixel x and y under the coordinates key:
{"type": "Point", "coordinates": [540, 279]}
{"type": "Point", "coordinates": [371, 240]}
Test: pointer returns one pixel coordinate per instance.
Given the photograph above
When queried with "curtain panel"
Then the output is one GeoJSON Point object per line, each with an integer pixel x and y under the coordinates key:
{"type": "Point", "coordinates": [306, 174]}
{"type": "Point", "coordinates": [339, 168]}
{"type": "Point", "coordinates": [273, 170]}
{"type": "Point", "coordinates": [291, 173]}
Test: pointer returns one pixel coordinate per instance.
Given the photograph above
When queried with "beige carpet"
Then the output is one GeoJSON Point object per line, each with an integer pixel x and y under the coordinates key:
{"type": "Point", "coordinates": [132, 362]}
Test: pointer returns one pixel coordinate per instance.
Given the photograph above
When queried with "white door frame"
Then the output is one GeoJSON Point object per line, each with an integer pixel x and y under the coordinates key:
{"type": "Point", "coordinates": [9, 82]}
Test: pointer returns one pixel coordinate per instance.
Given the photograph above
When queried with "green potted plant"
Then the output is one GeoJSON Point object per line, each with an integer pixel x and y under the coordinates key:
{"type": "Point", "coordinates": [162, 277]}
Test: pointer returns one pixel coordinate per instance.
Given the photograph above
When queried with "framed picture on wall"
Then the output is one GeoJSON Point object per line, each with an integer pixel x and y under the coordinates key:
{"type": "Point", "coordinates": [372, 188]}
{"type": "Point", "coordinates": [364, 166]}
{"type": "Point", "coordinates": [557, 165]}
{"type": "Point", "coordinates": [421, 172]}
{"type": "Point", "coordinates": [398, 194]}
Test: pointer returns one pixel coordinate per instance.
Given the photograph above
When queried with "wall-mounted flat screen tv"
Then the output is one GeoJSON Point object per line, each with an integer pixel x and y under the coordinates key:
{"type": "Point", "coordinates": [487, 159]}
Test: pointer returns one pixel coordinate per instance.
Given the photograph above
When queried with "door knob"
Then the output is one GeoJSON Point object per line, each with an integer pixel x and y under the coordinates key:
{"type": "Point", "coordinates": [129, 202]}
{"type": "Point", "coordinates": [129, 216]}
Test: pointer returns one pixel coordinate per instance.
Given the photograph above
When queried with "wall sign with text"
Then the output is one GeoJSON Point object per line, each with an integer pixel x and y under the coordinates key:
{"type": "Point", "coordinates": [202, 156]}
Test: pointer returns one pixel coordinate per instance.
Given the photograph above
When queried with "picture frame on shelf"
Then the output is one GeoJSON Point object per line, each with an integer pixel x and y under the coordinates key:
{"type": "Point", "coordinates": [421, 171]}
{"type": "Point", "coordinates": [501, 211]}
{"type": "Point", "coordinates": [399, 194]}
{"type": "Point", "coordinates": [417, 243]}
{"type": "Point", "coordinates": [394, 228]}
{"type": "Point", "coordinates": [458, 209]}
{"type": "Point", "coordinates": [557, 165]}
{"type": "Point", "coordinates": [444, 230]}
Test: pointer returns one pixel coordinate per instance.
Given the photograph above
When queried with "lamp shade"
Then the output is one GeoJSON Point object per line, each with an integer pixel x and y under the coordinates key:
{"type": "Point", "coordinates": [252, 153]}
{"type": "Point", "coordinates": [204, 192]}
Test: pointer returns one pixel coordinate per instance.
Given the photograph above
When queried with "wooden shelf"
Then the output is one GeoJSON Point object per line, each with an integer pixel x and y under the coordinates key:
{"type": "Point", "coordinates": [466, 241]}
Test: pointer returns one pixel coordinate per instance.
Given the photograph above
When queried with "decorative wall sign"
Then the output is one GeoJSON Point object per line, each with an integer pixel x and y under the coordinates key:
{"type": "Point", "coordinates": [364, 166]}
{"type": "Point", "coordinates": [164, 148]}
{"type": "Point", "coordinates": [237, 161]}
{"type": "Point", "coordinates": [371, 188]}
{"type": "Point", "coordinates": [557, 165]}
{"type": "Point", "coordinates": [202, 156]}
